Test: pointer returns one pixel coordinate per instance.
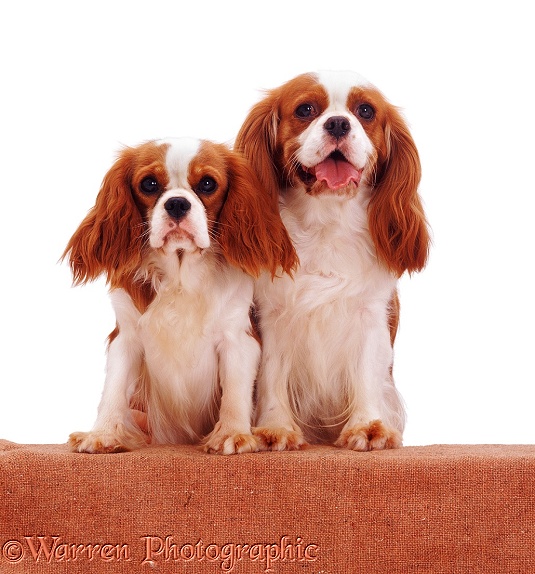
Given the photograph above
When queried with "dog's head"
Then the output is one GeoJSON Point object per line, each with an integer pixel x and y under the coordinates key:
{"type": "Point", "coordinates": [333, 133]}
{"type": "Point", "coordinates": [178, 195]}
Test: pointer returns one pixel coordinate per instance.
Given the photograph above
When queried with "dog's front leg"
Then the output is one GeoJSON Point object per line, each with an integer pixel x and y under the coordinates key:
{"type": "Point", "coordinates": [377, 417]}
{"type": "Point", "coordinates": [114, 429]}
{"type": "Point", "coordinates": [275, 427]}
{"type": "Point", "coordinates": [238, 365]}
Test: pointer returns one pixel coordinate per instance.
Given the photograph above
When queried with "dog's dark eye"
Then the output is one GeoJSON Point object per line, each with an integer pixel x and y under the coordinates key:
{"type": "Point", "coordinates": [305, 111]}
{"type": "Point", "coordinates": [207, 185]}
{"type": "Point", "coordinates": [149, 185]}
{"type": "Point", "coordinates": [366, 112]}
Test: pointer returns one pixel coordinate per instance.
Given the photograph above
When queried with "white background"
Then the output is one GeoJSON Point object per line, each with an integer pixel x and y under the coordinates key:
{"type": "Point", "coordinates": [80, 79]}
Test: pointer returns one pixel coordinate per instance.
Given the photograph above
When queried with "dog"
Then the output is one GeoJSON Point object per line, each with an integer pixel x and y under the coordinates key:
{"type": "Point", "coordinates": [340, 162]}
{"type": "Point", "coordinates": [180, 228]}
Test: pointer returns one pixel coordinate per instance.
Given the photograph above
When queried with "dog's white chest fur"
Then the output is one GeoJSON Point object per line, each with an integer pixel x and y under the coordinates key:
{"type": "Point", "coordinates": [335, 306]}
{"type": "Point", "coordinates": [182, 333]}
{"type": "Point", "coordinates": [178, 327]}
{"type": "Point", "coordinates": [179, 336]}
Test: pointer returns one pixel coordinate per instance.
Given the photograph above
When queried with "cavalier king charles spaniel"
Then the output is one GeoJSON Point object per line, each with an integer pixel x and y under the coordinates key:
{"type": "Point", "coordinates": [180, 229]}
{"type": "Point", "coordinates": [340, 163]}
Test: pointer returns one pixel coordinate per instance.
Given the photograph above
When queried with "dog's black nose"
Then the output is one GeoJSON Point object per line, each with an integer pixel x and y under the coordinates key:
{"type": "Point", "coordinates": [337, 126]}
{"type": "Point", "coordinates": [177, 207]}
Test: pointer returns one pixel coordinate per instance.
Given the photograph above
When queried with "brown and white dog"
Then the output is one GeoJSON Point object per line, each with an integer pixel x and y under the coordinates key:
{"type": "Point", "coordinates": [341, 163]}
{"type": "Point", "coordinates": [180, 228]}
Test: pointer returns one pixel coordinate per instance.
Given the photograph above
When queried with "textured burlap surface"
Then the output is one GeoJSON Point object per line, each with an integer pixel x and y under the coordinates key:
{"type": "Point", "coordinates": [434, 509]}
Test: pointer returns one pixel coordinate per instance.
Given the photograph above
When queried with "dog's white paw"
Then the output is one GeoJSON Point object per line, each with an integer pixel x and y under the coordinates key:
{"type": "Point", "coordinates": [279, 438]}
{"type": "Point", "coordinates": [220, 441]}
{"type": "Point", "coordinates": [106, 442]}
{"type": "Point", "coordinates": [372, 436]}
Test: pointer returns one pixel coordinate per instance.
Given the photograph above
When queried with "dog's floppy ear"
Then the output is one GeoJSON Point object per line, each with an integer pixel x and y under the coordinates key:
{"type": "Point", "coordinates": [257, 139]}
{"type": "Point", "coordinates": [109, 239]}
{"type": "Point", "coordinates": [251, 233]}
{"type": "Point", "coordinates": [396, 218]}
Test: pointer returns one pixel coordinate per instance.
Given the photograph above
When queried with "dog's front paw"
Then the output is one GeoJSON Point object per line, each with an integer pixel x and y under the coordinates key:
{"type": "Point", "coordinates": [372, 436]}
{"type": "Point", "coordinates": [229, 442]}
{"type": "Point", "coordinates": [279, 438]}
{"type": "Point", "coordinates": [97, 442]}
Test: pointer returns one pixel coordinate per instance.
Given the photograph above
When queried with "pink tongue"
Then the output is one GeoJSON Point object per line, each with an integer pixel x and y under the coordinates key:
{"type": "Point", "coordinates": [336, 173]}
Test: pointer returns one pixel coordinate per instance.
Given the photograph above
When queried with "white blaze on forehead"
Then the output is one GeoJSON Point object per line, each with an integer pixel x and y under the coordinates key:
{"type": "Point", "coordinates": [339, 84]}
{"type": "Point", "coordinates": [179, 155]}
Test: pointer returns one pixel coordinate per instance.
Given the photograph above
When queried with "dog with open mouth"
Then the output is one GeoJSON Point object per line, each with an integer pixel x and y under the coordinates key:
{"type": "Point", "coordinates": [341, 164]}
